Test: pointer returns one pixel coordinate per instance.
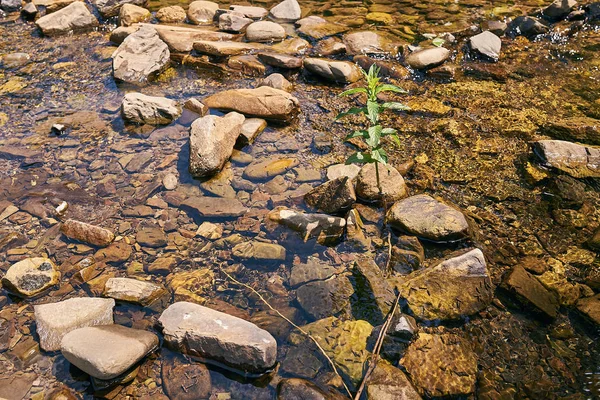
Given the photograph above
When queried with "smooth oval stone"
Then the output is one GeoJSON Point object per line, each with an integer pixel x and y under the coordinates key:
{"type": "Point", "coordinates": [269, 168]}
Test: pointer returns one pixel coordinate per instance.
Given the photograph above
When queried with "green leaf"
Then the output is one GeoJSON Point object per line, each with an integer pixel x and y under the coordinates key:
{"type": "Point", "coordinates": [396, 139]}
{"type": "Point", "coordinates": [353, 91]}
{"type": "Point", "coordinates": [373, 136]}
{"type": "Point", "coordinates": [389, 88]}
{"type": "Point", "coordinates": [356, 134]}
{"type": "Point", "coordinates": [380, 156]}
{"type": "Point", "coordinates": [388, 131]}
{"type": "Point", "coordinates": [395, 106]}
{"type": "Point", "coordinates": [373, 111]}
{"type": "Point", "coordinates": [438, 42]}
{"type": "Point", "coordinates": [352, 111]}
{"type": "Point", "coordinates": [359, 158]}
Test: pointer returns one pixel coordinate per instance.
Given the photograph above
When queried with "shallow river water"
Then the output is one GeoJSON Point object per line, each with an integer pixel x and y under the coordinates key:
{"type": "Point", "coordinates": [466, 141]}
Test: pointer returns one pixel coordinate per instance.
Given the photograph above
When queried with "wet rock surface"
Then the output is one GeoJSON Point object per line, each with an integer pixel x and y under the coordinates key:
{"type": "Point", "coordinates": [31, 276]}
{"type": "Point", "coordinates": [142, 109]}
{"type": "Point", "coordinates": [74, 17]}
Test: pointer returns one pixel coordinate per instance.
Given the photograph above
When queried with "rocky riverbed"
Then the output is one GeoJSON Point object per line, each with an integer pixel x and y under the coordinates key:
{"type": "Point", "coordinates": [177, 221]}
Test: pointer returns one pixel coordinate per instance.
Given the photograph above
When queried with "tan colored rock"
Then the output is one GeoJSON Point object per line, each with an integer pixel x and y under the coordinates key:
{"type": "Point", "coordinates": [191, 285]}
{"type": "Point", "coordinates": [392, 183]}
{"type": "Point", "coordinates": [268, 168]}
{"type": "Point", "coordinates": [133, 290]}
{"type": "Point", "coordinates": [31, 276]}
{"type": "Point", "coordinates": [180, 39]}
{"type": "Point", "coordinates": [265, 31]}
{"type": "Point", "coordinates": [389, 383]}
{"type": "Point", "coordinates": [171, 15]}
{"type": "Point", "coordinates": [54, 320]}
{"type": "Point", "coordinates": [87, 233]}
{"type": "Point", "coordinates": [255, 250]}
{"type": "Point", "coordinates": [131, 14]}
{"type": "Point", "coordinates": [336, 71]}
{"type": "Point", "coordinates": [75, 17]}
{"type": "Point", "coordinates": [225, 48]}
{"type": "Point", "coordinates": [202, 12]}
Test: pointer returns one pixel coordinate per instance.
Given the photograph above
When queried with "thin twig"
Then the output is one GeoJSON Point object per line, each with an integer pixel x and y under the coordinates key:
{"type": "Point", "coordinates": [389, 260]}
{"type": "Point", "coordinates": [377, 349]}
{"type": "Point", "coordinates": [294, 325]}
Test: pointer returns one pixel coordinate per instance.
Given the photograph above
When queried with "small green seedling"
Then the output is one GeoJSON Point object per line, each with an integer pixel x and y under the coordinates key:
{"type": "Point", "coordinates": [375, 132]}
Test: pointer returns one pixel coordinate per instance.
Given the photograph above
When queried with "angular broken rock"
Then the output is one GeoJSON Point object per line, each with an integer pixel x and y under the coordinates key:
{"type": "Point", "coordinates": [214, 207]}
{"type": "Point", "coordinates": [212, 139]}
{"type": "Point", "coordinates": [390, 383]}
{"type": "Point", "coordinates": [487, 44]}
{"type": "Point", "coordinates": [530, 291]}
{"type": "Point", "coordinates": [251, 128]}
{"type": "Point", "coordinates": [142, 109]}
{"type": "Point", "coordinates": [454, 376]}
{"type": "Point", "coordinates": [457, 287]}
{"type": "Point", "coordinates": [373, 290]}
{"type": "Point", "coordinates": [140, 57]}
{"type": "Point", "coordinates": [322, 227]}
{"type": "Point", "coordinates": [86, 233]}
{"type": "Point", "coordinates": [105, 352]}
{"type": "Point", "coordinates": [218, 337]}
{"type": "Point", "coordinates": [335, 196]}
{"type": "Point", "coordinates": [133, 290]}
{"type": "Point", "coordinates": [322, 299]}
{"type": "Point", "coordinates": [74, 17]}
{"type": "Point", "coordinates": [30, 276]}
{"type": "Point", "coordinates": [54, 320]}
{"type": "Point", "coordinates": [110, 8]}
{"type": "Point", "coordinates": [428, 218]}
{"type": "Point", "coordinates": [263, 102]}
{"type": "Point", "coordinates": [233, 22]}
{"type": "Point", "coordinates": [336, 71]}
{"type": "Point", "coordinates": [576, 160]}
{"type": "Point", "coordinates": [181, 39]}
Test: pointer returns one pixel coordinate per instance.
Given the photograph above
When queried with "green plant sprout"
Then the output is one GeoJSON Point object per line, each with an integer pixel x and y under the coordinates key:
{"type": "Point", "coordinates": [375, 132]}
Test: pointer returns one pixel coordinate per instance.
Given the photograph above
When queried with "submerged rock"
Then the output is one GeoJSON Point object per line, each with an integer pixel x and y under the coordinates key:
{"type": "Point", "coordinates": [576, 160]}
{"type": "Point", "coordinates": [428, 218]}
{"type": "Point", "coordinates": [390, 383]}
{"type": "Point", "coordinates": [590, 307]}
{"type": "Point", "coordinates": [54, 320]}
{"type": "Point", "coordinates": [212, 139]}
{"type": "Point", "coordinates": [180, 375]}
{"type": "Point", "coordinates": [455, 376]}
{"type": "Point", "coordinates": [530, 291]}
{"type": "Point", "coordinates": [110, 8]}
{"type": "Point", "coordinates": [286, 11]}
{"type": "Point", "coordinates": [202, 12]}
{"type": "Point", "coordinates": [108, 351]}
{"type": "Point", "coordinates": [428, 58]}
{"type": "Point", "coordinates": [313, 270]}
{"type": "Point", "coordinates": [218, 337]}
{"type": "Point", "coordinates": [376, 295]}
{"type": "Point", "coordinates": [260, 170]}
{"type": "Point", "coordinates": [336, 71]}
{"type": "Point", "coordinates": [140, 57]}
{"type": "Point", "coordinates": [486, 44]}
{"type": "Point", "coordinates": [457, 287]}
{"type": "Point", "coordinates": [263, 102]}
{"type": "Point", "coordinates": [326, 298]}
{"type": "Point", "coordinates": [74, 17]}
{"type": "Point", "coordinates": [322, 227]}
{"type": "Point", "coordinates": [392, 183]}
{"type": "Point", "coordinates": [141, 109]}
{"type": "Point", "coordinates": [333, 197]}
{"type": "Point", "coordinates": [255, 250]}
{"type": "Point", "coordinates": [579, 129]}
{"type": "Point", "coordinates": [318, 28]}
{"type": "Point", "coordinates": [214, 207]}
{"type": "Point", "coordinates": [132, 290]}
{"type": "Point", "coordinates": [31, 276]}
{"type": "Point", "coordinates": [87, 233]}
{"type": "Point", "coordinates": [296, 389]}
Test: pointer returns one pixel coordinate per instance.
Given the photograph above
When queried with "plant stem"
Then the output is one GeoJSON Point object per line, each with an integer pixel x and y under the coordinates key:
{"type": "Point", "coordinates": [378, 181]}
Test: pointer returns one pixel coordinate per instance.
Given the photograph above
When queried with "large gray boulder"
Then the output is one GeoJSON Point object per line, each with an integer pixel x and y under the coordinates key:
{"type": "Point", "coordinates": [111, 8]}
{"type": "Point", "coordinates": [141, 109]}
{"type": "Point", "coordinates": [54, 320]}
{"type": "Point", "coordinates": [212, 139]}
{"type": "Point", "coordinates": [428, 218]}
{"type": "Point", "coordinates": [140, 57]}
{"type": "Point", "coordinates": [74, 17]}
{"type": "Point", "coordinates": [107, 351]}
{"type": "Point", "coordinates": [576, 160]}
{"type": "Point", "coordinates": [219, 337]}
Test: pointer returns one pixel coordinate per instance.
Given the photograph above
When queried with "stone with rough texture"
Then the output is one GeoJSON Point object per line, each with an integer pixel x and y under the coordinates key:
{"type": "Point", "coordinates": [530, 291]}
{"type": "Point", "coordinates": [457, 287]}
{"type": "Point", "coordinates": [110, 8]}
{"type": "Point", "coordinates": [263, 102]}
{"type": "Point", "coordinates": [374, 292]}
{"type": "Point", "coordinates": [191, 285]}
{"type": "Point", "coordinates": [336, 71]}
{"type": "Point", "coordinates": [54, 320]}
{"type": "Point", "coordinates": [300, 389]}
{"type": "Point", "coordinates": [181, 39]}
{"type": "Point", "coordinates": [212, 139]}
{"type": "Point", "coordinates": [486, 44]}
{"type": "Point", "coordinates": [265, 31]}
{"type": "Point", "coordinates": [313, 270]}
{"type": "Point", "coordinates": [576, 160]}
{"type": "Point", "coordinates": [559, 8]}
{"type": "Point", "coordinates": [211, 207]}
{"type": "Point", "coordinates": [31, 276]}
{"type": "Point", "coordinates": [10, 5]}
{"type": "Point", "coordinates": [251, 128]}
{"type": "Point", "coordinates": [179, 375]}
{"type": "Point", "coordinates": [255, 250]}
{"type": "Point", "coordinates": [590, 307]}
{"type": "Point", "coordinates": [74, 17]}
{"type": "Point", "coordinates": [326, 298]}
{"type": "Point", "coordinates": [286, 11]}
{"type": "Point", "coordinates": [428, 218]}
{"type": "Point", "coordinates": [219, 337]}
{"type": "Point", "coordinates": [428, 58]}
{"type": "Point", "coordinates": [87, 233]}
{"type": "Point", "coordinates": [277, 81]}
{"type": "Point", "coordinates": [106, 352]}
{"type": "Point", "coordinates": [318, 28]}
{"type": "Point", "coordinates": [332, 197]}
{"type": "Point", "coordinates": [132, 290]}
{"type": "Point", "coordinates": [233, 22]}
{"type": "Point", "coordinates": [151, 236]}
{"type": "Point", "coordinates": [441, 365]}
{"type": "Point", "coordinates": [171, 15]}
{"type": "Point", "coordinates": [392, 183]}
{"type": "Point", "coordinates": [577, 129]}
{"type": "Point", "coordinates": [202, 12]}
{"type": "Point", "coordinates": [339, 170]}
{"type": "Point", "coordinates": [140, 57]}
{"type": "Point", "coordinates": [322, 227]}
{"type": "Point", "coordinates": [131, 14]}
{"type": "Point", "coordinates": [389, 383]}
{"type": "Point", "coordinates": [224, 48]}
{"type": "Point", "coordinates": [141, 109]}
